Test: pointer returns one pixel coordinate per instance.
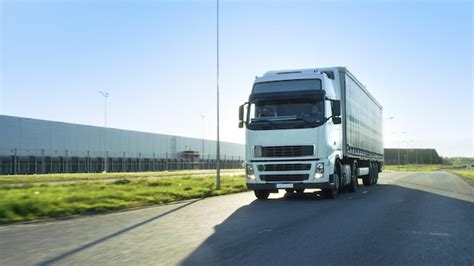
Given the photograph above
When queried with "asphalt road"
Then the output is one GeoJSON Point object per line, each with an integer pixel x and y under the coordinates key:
{"type": "Point", "coordinates": [407, 219]}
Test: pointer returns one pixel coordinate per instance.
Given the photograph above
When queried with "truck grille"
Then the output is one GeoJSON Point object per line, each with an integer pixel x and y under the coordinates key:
{"type": "Point", "coordinates": [287, 151]}
{"type": "Point", "coordinates": [287, 167]}
{"type": "Point", "coordinates": [284, 177]}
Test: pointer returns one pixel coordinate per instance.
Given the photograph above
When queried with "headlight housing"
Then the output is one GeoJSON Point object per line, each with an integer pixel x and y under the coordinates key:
{"type": "Point", "coordinates": [319, 170]}
{"type": "Point", "coordinates": [249, 172]}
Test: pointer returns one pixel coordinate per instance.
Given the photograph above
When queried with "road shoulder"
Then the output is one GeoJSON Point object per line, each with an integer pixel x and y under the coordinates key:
{"type": "Point", "coordinates": [465, 179]}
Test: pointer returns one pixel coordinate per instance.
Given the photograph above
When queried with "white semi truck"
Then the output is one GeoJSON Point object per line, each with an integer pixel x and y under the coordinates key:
{"type": "Point", "coordinates": [311, 129]}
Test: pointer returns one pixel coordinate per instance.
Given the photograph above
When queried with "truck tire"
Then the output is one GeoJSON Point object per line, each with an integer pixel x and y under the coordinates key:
{"type": "Point", "coordinates": [352, 187]}
{"type": "Point", "coordinates": [376, 173]}
{"type": "Point", "coordinates": [331, 193]}
{"type": "Point", "coordinates": [261, 194]}
{"type": "Point", "coordinates": [337, 171]}
{"type": "Point", "coordinates": [367, 179]}
{"type": "Point", "coordinates": [371, 173]}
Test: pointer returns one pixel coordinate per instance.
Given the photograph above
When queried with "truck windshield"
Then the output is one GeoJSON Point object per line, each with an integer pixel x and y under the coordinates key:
{"type": "Point", "coordinates": [289, 113]}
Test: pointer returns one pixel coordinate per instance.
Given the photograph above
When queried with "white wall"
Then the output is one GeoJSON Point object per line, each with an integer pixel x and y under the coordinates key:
{"type": "Point", "coordinates": [33, 137]}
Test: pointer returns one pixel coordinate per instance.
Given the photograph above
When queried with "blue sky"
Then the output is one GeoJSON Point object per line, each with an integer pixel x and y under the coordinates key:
{"type": "Point", "coordinates": [157, 59]}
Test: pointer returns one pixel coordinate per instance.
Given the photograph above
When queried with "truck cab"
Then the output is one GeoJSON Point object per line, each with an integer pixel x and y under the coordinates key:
{"type": "Point", "coordinates": [293, 131]}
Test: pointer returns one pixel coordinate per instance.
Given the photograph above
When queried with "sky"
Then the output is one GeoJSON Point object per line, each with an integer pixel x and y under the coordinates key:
{"type": "Point", "coordinates": [157, 60]}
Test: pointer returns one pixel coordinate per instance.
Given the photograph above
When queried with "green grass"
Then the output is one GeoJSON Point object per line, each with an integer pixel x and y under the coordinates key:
{"type": "Point", "coordinates": [466, 173]}
{"type": "Point", "coordinates": [21, 179]}
{"type": "Point", "coordinates": [32, 202]}
{"type": "Point", "coordinates": [419, 168]}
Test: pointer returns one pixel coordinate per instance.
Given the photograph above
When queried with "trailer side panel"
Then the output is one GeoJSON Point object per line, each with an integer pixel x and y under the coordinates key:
{"type": "Point", "coordinates": [362, 120]}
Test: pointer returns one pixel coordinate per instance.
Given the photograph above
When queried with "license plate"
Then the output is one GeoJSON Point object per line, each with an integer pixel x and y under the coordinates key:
{"type": "Point", "coordinates": [284, 185]}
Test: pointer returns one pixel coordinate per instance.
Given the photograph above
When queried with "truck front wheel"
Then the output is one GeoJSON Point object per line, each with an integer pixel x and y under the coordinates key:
{"type": "Point", "coordinates": [331, 193]}
{"type": "Point", "coordinates": [261, 194]}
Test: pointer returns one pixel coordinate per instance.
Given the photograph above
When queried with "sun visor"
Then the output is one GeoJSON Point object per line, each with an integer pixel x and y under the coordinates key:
{"type": "Point", "coordinates": [308, 94]}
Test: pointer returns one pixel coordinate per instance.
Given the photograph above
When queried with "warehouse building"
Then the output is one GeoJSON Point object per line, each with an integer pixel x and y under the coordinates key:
{"type": "Point", "coordinates": [30, 146]}
{"type": "Point", "coordinates": [411, 156]}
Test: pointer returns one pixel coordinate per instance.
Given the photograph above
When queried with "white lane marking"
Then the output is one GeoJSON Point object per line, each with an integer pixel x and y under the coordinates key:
{"type": "Point", "coordinates": [265, 231]}
{"type": "Point", "coordinates": [430, 233]}
{"type": "Point", "coordinates": [365, 192]}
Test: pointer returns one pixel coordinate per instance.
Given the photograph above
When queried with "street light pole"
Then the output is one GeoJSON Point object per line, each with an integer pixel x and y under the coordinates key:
{"type": "Point", "coordinates": [202, 143]}
{"type": "Point", "coordinates": [218, 149]}
{"type": "Point", "coordinates": [106, 95]}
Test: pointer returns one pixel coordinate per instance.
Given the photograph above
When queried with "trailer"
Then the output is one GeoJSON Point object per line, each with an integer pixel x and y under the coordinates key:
{"type": "Point", "coordinates": [311, 129]}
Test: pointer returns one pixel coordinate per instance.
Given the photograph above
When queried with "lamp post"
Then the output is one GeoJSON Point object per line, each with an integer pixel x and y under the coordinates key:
{"type": "Point", "coordinates": [218, 149]}
{"type": "Point", "coordinates": [202, 142]}
{"type": "Point", "coordinates": [106, 95]}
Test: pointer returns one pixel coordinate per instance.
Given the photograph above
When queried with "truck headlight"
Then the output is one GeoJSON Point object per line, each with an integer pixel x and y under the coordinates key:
{"type": "Point", "coordinates": [257, 151]}
{"type": "Point", "coordinates": [249, 172]}
{"type": "Point", "coordinates": [319, 170]}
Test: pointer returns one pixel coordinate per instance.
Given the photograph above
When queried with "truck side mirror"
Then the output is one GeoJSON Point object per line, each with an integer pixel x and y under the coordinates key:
{"type": "Point", "coordinates": [336, 120]}
{"type": "Point", "coordinates": [241, 113]}
{"type": "Point", "coordinates": [336, 108]}
{"type": "Point", "coordinates": [241, 116]}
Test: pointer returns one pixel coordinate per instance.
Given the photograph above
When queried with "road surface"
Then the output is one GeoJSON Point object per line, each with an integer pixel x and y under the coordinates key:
{"type": "Point", "coordinates": [407, 219]}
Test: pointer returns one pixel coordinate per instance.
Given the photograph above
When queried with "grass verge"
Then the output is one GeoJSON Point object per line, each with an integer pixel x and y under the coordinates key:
{"type": "Point", "coordinates": [466, 173]}
{"type": "Point", "coordinates": [25, 179]}
{"type": "Point", "coordinates": [32, 202]}
{"type": "Point", "coordinates": [419, 168]}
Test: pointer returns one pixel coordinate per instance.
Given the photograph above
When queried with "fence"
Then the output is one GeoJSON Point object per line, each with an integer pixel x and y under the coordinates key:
{"type": "Point", "coordinates": [11, 165]}
{"type": "Point", "coordinates": [411, 156]}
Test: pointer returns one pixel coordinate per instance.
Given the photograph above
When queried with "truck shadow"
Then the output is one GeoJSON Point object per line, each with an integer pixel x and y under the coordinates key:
{"type": "Point", "coordinates": [94, 243]}
{"type": "Point", "coordinates": [308, 195]}
{"type": "Point", "coordinates": [281, 230]}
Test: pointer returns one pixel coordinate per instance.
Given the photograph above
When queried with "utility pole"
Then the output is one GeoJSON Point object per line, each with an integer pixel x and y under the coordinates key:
{"type": "Point", "coordinates": [202, 142]}
{"type": "Point", "coordinates": [218, 150]}
{"type": "Point", "coordinates": [106, 95]}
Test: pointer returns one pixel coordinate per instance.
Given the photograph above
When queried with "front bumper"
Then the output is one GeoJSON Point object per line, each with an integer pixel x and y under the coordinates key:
{"type": "Point", "coordinates": [276, 174]}
{"type": "Point", "coordinates": [274, 186]}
